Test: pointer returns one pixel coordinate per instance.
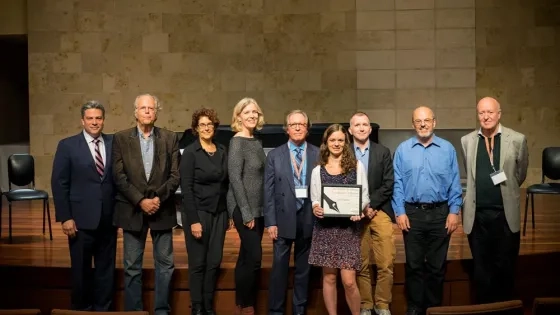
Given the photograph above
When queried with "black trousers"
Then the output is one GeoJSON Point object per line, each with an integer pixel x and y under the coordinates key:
{"type": "Point", "coordinates": [249, 260]}
{"type": "Point", "coordinates": [92, 289]}
{"type": "Point", "coordinates": [205, 256]}
{"type": "Point", "coordinates": [426, 244]}
{"type": "Point", "coordinates": [495, 249]}
{"type": "Point", "coordinates": [280, 267]}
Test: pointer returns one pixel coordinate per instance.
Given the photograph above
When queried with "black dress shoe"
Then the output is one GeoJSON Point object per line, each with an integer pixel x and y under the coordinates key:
{"type": "Point", "coordinates": [210, 312]}
{"type": "Point", "coordinates": [197, 311]}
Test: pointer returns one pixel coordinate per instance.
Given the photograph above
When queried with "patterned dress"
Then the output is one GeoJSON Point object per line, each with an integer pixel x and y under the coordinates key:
{"type": "Point", "coordinates": [336, 241]}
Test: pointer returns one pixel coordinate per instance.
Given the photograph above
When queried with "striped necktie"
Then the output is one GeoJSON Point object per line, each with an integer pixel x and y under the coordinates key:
{"type": "Point", "coordinates": [297, 181]}
{"type": "Point", "coordinates": [99, 166]}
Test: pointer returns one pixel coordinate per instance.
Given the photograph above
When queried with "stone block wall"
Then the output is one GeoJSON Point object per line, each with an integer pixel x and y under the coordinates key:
{"type": "Point", "coordinates": [327, 57]}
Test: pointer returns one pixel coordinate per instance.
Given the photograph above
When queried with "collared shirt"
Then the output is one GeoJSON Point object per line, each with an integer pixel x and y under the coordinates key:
{"type": "Point", "coordinates": [362, 156]}
{"type": "Point", "coordinates": [91, 146]}
{"type": "Point", "coordinates": [426, 174]}
{"type": "Point", "coordinates": [498, 133]}
{"type": "Point", "coordinates": [293, 151]}
{"type": "Point", "coordinates": [147, 149]}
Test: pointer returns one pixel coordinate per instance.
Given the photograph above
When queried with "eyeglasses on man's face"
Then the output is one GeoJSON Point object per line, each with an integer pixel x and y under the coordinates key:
{"type": "Point", "coordinates": [419, 122]}
{"type": "Point", "coordinates": [297, 125]}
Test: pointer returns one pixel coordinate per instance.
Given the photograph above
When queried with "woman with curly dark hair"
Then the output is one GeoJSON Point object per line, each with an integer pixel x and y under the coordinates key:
{"type": "Point", "coordinates": [204, 186]}
{"type": "Point", "coordinates": [335, 244]}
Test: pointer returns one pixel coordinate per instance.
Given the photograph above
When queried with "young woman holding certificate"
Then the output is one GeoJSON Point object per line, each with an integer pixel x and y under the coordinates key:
{"type": "Point", "coordinates": [336, 240]}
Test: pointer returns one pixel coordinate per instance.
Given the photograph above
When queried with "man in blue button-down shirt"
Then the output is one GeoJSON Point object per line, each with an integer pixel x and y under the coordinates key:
{"type": "Point", "coordinates": [427, 197]}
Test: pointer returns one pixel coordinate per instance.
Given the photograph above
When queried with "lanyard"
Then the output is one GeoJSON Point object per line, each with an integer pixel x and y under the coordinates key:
{"type": "Point", "coordinates": [300, 168]}
{"type": "Point", "coordinates": [490, 149]}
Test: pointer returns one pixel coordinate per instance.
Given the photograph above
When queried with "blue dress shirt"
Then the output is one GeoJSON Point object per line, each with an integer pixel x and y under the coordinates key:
{"type": "Point", "coordinates": [426, 175]}
{"type": "Point", "coordinates": [362, 156]}
{"type": "Point", "coordinates": [293, 151]}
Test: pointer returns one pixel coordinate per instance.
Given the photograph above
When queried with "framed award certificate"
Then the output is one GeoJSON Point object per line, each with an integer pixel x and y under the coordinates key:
{"type": "Point", "coordinates": [341, 200]}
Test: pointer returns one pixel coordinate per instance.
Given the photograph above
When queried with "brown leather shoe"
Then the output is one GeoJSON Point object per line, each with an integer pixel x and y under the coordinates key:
{"type": "Point", "coordinates": [248, 310]}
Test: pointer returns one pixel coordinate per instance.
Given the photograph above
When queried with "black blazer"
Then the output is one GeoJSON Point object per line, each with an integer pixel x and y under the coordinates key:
{"type": "Point", "coordinates": [78, 192]}
{"type": "Point", "coordinates": [204, 181]}
{"type": "Point", "coordinates": [380, 178]}
{"type": "Point", "coordinates": [132, 185]}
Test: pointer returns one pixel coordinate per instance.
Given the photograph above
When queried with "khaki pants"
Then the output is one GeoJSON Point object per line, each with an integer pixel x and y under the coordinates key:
{"type": "Point", "coordinates": [377, 235]}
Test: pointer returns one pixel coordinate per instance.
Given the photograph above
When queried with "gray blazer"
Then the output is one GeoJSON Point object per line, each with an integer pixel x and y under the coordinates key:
{"type": "Point", "coordinates": [514, 160]}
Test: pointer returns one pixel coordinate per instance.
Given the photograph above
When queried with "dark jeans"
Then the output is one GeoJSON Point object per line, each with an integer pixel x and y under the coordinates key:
{"type": "Point", "coordinates": [205, 256]}
{"type": "Point", "coordinates": [133, 246]}
{"type": "Point", "coordinates": [495, 249]}
{"type": "Point", "coordinates": [92, 289]}
{"type": "Point", "coordinates": [249, 260]}
{"type": "Point", "coordinates": [426, 244]}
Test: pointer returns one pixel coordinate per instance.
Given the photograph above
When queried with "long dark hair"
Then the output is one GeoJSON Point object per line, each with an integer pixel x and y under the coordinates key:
{"type": "Point", "coordinates": [348, 160]}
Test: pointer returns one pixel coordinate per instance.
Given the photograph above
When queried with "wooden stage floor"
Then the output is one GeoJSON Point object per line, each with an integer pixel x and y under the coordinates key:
{"type": "Point", "coordinates": [31, 248]}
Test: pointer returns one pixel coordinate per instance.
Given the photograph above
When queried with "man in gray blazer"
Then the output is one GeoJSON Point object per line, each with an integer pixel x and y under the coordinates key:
{"type": "Point", "coordinates": [496, 161]}
{"type": "Point", "coordinates": [287, 212]}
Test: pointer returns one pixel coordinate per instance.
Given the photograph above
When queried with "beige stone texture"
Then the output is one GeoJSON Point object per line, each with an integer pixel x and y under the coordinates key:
{"type": "Point", "coordinates": [327, 57]}
{"type": "Point", "coordinates": [415, 19]}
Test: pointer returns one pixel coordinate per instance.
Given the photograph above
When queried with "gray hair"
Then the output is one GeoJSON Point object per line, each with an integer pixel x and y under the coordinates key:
{"type": "Point", "coordinates": [297, 111]}
{"type": "Point", "coordinates": [156, 101]}
{"type": "Point", "coordinates": [92, 105]}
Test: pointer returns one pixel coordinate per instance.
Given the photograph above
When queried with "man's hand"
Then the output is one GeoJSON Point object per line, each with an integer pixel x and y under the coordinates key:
{"type": "Point", "coordinates": [69, 228]}
{"type": "Point", "coordinates": [196, 230]}
{"type": "Point", "coordinates": [250, 224]}
{"type": "Point", "coordinates": [318, 211]}
{"type": "Point", "coordinates": [156, 201]}
{"type": "Point", "coordinates": [403, 223]}
{"type": "Point", "coordinates": [273, 232]}
{"type": "Point", "coordinates": [452, 223]}
{"type": "Point", "coordinates": [150, 206]}
{"type": "Point", "coordinates": [370, 213]}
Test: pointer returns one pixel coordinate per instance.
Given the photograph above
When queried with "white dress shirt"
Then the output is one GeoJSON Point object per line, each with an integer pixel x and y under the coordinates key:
{"type": "Point", "coordinates": [91, 145]}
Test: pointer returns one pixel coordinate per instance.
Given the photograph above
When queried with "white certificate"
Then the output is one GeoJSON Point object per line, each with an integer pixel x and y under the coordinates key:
{"type": "Point", "coordinates": [341, 200]}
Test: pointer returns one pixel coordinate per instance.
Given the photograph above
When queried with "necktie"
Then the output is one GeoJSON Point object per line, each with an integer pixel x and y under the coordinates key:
{"type": "Point", "coordinates": [99, 166]}
{"type": "Point", "coordinates": [297, 181]}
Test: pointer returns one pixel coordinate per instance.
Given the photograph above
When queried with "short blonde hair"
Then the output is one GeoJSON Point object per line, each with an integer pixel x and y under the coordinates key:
{"type": "Point", "coordinates": [239, 107]}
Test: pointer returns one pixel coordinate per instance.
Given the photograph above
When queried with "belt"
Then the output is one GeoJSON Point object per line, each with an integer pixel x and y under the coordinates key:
{"type": "Point", "coordinates": [421, 205]}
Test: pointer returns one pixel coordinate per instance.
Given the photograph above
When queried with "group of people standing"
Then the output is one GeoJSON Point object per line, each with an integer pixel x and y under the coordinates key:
{"type": "Point", "coordinates": [101, 183]}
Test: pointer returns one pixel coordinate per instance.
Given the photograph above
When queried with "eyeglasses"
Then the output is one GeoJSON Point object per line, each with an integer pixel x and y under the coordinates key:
{"type": "Point", "coordinates": [296, 125]}
{"type": "Point", "coordinates": [204, 126]}
{"type": "Point", "coordinates": [426, 121]}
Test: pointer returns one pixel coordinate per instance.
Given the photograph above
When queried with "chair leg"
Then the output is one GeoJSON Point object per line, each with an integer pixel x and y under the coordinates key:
{"type": "Point", "coordinates": [533, 209]}
{"type": "Point", "coordinates": [44, 210]}
{"type": "Point", "coordinates": [526, 208]}
{"type": "Point", "coordinates": [49, 218]}
{"type": "Point", "coordinates": [10, 220]}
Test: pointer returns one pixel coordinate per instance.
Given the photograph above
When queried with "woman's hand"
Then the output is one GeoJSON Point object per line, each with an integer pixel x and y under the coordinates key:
{"type": "Point", "coordinates": [230, 225]}
{"type": "Point", "coordinates": [196, 230]}
{"type": "Point", "coordinates": [318, 211]}
{"type": "Point", "coordinates": [250, 224]}
{"type": "Point", "coordinates": [357, 217]}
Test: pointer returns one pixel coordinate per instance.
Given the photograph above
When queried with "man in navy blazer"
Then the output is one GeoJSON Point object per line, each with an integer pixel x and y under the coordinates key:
{"type": "Point", "coordinates": [83, 193]}
{"type": "Point", "coordinates": [287, 212]}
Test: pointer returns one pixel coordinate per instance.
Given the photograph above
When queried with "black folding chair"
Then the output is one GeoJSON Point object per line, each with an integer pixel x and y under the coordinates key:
{"type": "Point", "coordinates": [21, 172]}
{"type": "Point", "coordinates": [551, 170]}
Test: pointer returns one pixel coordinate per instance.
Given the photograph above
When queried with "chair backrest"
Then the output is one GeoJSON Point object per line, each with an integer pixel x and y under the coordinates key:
{"type": "Point", "coordinates": [546, 306]}
{"type": "Point", "coordinates": [21, 170]}
{"type": "Point", "coordinates": [499, 308]}
{"type": "Point", "coordinates": [551, 163]}
{"type": "Point", "coordinates": [70, 312]}
{"type": "Point", "coordinates": [21, 312]}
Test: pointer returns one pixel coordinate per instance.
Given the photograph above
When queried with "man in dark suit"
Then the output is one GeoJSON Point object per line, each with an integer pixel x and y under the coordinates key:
{"type": "Point", "coordinates": [146, 172]}
{"type": "Point", "coordinates": [287, 212]}
{"type": "Point", "coordinates": [83, 193]}
{"type": "Point", "coordinates": [377, 234]}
